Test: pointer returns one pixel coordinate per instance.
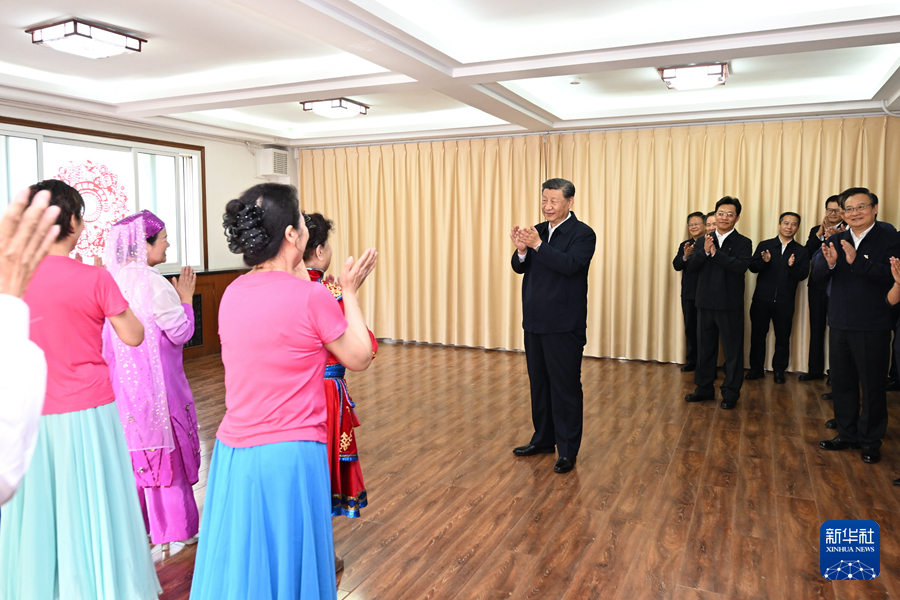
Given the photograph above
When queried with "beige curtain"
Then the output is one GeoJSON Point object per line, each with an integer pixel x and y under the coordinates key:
{"type": "Point", "coordinates": [439, 214]}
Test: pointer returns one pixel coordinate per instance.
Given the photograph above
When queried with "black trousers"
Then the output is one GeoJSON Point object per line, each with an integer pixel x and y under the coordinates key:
{"type": "Point", "coordinates": [818, 321]}
{"type": "Point", "coordinates": [859, 360]}
{"type": "Point", "coordinates": [781, 314]}
{"type": "Point", "coordinates": [690, 330]}
{"type": "Point", "coordinates": [710, 325]}
{"type": "Point", "coordinates": [557, 400]}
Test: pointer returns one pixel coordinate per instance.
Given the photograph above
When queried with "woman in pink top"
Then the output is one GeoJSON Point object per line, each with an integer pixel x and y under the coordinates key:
{"type": "Point", "coordinates": [267, 515]}
{"type": "Point", "coordinates": [155, 401]}
{"type": "Point", "coordinates": [74, 528]}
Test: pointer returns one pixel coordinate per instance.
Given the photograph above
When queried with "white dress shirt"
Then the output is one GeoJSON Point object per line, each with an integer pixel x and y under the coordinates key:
{"type": "Point", "coordinates": [23, 383]}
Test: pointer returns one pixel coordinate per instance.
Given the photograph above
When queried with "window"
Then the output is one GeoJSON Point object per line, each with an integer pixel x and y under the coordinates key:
{"type": "Point", "coordinates": [115, 179]}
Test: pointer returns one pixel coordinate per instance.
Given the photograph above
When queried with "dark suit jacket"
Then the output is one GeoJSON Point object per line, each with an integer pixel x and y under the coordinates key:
{"type": "Point", "coordinates": [777, 282]}
{"type": "Point", "coordinates": [856, 301]}
{"type": "Point", "coordinates": [721, 277]}
{"type": "Point", "coordinates": [688, 278]}
{"type": "Point", "coordinates": [554, 289]}
{"type": "Point", "coordinates": [813, 243]}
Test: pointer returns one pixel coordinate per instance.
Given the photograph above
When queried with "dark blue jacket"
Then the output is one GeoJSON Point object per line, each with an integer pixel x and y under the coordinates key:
{"type": "Point", "coordinates": [856, 300]}
{"type": "Point", "coordinates": [777, 282]}
{"type": "Point", "coordinates": [688, 278]}
{"type": "Point", "coordinates": [554, 289]}
{"type": "Point", "coordinates": [721, 277]}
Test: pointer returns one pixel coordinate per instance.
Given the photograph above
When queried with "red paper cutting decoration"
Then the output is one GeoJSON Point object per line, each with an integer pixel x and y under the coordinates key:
{"type": "Point", "coordinates": [105, 202]}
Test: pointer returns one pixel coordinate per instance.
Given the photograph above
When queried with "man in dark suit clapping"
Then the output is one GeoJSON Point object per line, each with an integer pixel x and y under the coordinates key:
{"type": "Point", "coordinates": [689, 288]}
{"type": "Point", "coordinates": [721, 262]}
{"type": "Point", "coordinates": [781, 263]}
{"type": "Point", "coordinates": [554, 257]}
{"type": "Point", "coordinates": [858, 264]}
{"type": "Point", "coordinates": [832, 222]}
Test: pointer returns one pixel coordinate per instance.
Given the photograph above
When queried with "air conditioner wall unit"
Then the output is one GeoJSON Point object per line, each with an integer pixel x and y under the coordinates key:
{"type": "Point", "coordinates": [272, 162]}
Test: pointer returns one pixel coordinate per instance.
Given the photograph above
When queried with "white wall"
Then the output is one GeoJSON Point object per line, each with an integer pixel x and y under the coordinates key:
{"type": "Point", "coordinates": [230, 168]}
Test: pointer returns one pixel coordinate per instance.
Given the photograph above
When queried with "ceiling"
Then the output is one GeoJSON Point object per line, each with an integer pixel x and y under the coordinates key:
{"type": "Point", "coordinates": [443, 68]}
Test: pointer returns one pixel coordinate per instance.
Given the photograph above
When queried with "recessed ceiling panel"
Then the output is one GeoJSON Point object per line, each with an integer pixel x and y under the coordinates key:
{"type": "Point", "coordinates": [193, 47]}
{"type": "Point", "coordinates": [476, 31]}
{"type": "Point", "coordinates": [422, 110]}
{"type": "Point", "coordinates": [803, 78]}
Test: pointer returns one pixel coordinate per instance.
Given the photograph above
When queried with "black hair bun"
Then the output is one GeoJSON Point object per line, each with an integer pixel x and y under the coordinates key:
{"type": "Point", "coordinates": [244, 228]}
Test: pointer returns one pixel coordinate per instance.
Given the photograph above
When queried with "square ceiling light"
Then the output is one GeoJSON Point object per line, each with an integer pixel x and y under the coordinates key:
{"type": "Point", "coordinates": [336, 108]}
{"type": "Point", "coordinates": [92, 41]}
{"type": "Point", "coordinates": [694, 77]}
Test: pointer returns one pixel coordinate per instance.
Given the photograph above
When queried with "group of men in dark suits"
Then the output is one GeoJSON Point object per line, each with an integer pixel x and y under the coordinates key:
{"type": "Point", "coordinates": [855, 263]}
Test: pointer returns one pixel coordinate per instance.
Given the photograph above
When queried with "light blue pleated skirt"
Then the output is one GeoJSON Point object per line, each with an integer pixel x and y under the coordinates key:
{"type": "Point", "coordinates": [74, 529]}
{"type": "Point", "coordinates": [266, 529]}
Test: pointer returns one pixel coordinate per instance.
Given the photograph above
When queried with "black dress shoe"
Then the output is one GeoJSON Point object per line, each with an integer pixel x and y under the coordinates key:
{"type": "Point", "coordinates": [896, 481]}
{"type": "Point", "coordinates": [838, 443]}
{"type": "Point", "coordinates": [695, 397]}
{"type": "Point", "coordinates": [812, 376]}
{"type": "Point", "coordinates": [529, 450]}
{"type": "Point", "coordinates": [892, 385]}
{"type": "Point", "coordinates": [688, 368]}
{"type": "Point", "coordinates": [564, 465]}
{"type": "Point", "coordinates": [753, 375]}
{"type": "Point", "coordinates": [728, 404]}
{"type": "Point", "coordinates": [830, 424]}
{"type": "Point", "coordinates": [779, 378]}
{"type": "Point", "coordinates": [871, 454]}
{"type": "Point", "coordinates": [827, 396]}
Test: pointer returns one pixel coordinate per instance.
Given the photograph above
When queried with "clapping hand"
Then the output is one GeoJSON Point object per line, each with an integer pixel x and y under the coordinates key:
{"type": "Point", "coordinates": [354, 273]}
{"type": "Point", "coordinates": [26, 234]}
{"type": "Point", "coordinates": [514, 236]}
{"type": "Point", "coordinates": [830, 231]}
{"type": "Point", "coordinates": [791, 261]}
{"type": "Point", "coordinates": [895, 270]}
{"type": "Point", "coordinates": [529, 236]}
{"type": "Point", "coordinates": [766, 256]}
{"type": "Point", "coordinates": [185, 285]}
{"type": "Point", "coordinates": [709, 245]}
{"type": "Point", "coordinates": [849, 251]}
{"type": "Point", "coordinates": [688, 250]}
{"type": "Point", "coordinates": [830, 254]}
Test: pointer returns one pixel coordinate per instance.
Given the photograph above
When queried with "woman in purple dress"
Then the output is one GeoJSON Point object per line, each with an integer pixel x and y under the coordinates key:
{"type": "Point", "coordinates": [154, 399]}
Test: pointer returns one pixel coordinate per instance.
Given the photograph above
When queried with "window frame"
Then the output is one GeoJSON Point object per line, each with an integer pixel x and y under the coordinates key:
{"type": "Point", "coordinates": [190, 218]}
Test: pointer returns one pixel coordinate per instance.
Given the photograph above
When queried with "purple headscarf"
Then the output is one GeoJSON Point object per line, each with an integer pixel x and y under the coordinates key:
{"type": "Point", "coordinates": [152, 223]}
{"type": "Point", "coordinates": [136, 372]}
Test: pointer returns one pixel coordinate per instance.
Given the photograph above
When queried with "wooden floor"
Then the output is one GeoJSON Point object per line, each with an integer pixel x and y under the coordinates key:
{"type": "Point", "coordinates": [668, 499]}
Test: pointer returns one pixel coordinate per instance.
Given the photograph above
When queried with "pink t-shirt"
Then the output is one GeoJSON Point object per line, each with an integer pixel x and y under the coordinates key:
{"type": "Point", "coordinates": [274, 328]}
{"type": "Point", "coordinates": [69, 301]}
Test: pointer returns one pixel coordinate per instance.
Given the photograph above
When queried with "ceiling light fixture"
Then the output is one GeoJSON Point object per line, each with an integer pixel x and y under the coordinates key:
{"type": "Point", "coordinates": [694, 77]}
{"type": "Point", "coordinates": [337, 108]}
{"type": "Point", "coordinates": [92, 41]}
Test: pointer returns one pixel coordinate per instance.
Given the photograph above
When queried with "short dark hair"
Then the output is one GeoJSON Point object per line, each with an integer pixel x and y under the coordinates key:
{"type": "Point", "coordinates": [67, 198]}
{"type": "Point", "coordinates": [695, 214]}
{"type": "Point", "coordinates": [710, 214]}
{"type": "Point", "coordinates": [855, 191]}
{"type": "Point", "coordinates": [319, 228]}
{"type": "Point", "coordinates": [152, 239]}
{"type": "Point", "coordinates": [255, 222]}
{"type": "Point", "coordinates": [566, 186]}
{"type": "Point", "coordinates": [733, 201]}
{"type": "Point", "coordinates": [789, 214]}
{"type": "Point", "coordinates": [835, 198]}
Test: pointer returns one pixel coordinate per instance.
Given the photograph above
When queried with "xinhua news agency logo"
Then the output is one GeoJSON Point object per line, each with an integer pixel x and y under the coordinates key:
{"type": "Point", "coordinates": [850, 550]}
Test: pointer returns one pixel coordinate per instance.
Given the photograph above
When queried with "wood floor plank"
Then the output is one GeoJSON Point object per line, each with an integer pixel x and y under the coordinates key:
{"type": "Point", "coordinates": [791, 468]}
{"type": "Point", "coordinates": [754, 515]}
{"type": "Point", "coordinates": [722, 456]}
{"type": "Point", "coordinates": [707, 561]}
{"type": "Point", "coordinates": [697, 428]}
{"type": "Point", "coordinates": [798, 549]}
{"type": "Point", "coordinates": [758, 577]}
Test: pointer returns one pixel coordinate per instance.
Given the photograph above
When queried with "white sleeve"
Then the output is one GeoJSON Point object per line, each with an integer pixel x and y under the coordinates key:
{"type": "Point", "coordinates": [167, 309]}
{"type": "Point", "coordinates": [23, 377]}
